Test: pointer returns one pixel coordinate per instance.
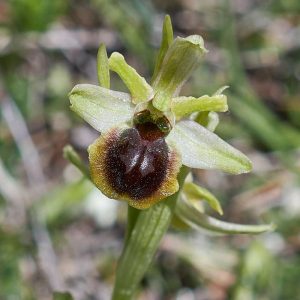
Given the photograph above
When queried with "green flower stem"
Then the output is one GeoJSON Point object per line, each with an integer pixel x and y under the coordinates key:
{"type": "Point", "coordinates": [132, 216]}
{"type": "Point", "coordinates": [142, 244]}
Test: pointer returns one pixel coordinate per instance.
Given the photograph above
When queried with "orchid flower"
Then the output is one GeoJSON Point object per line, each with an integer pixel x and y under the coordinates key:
{"type": "Point", "coordinates": [149, 139]}
{"type": "Point", "coordinates": [147, 134]}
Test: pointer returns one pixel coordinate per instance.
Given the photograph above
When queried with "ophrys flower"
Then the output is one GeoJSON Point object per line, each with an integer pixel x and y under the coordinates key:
{"type": "Point", "coordinates": [144, 137]}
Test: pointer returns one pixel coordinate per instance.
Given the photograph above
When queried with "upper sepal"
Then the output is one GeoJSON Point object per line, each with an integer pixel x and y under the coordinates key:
{"type": "Point", "coordinates": [181, 58]}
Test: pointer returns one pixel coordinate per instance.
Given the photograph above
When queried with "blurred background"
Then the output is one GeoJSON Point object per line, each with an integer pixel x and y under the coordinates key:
{"type": "Point", "coordinates": [56, 233]}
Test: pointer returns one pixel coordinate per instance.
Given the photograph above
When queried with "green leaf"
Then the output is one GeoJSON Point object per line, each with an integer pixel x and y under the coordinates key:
{"type": "Point", "coordinates": [62, 296]}
{"type": "Point", "coordinates": [139, 89]}
{"type": "Point", "coordinates": [183, 106]}
{"type": "Point", "coordinates": [100, 107]}
{"type": "Point", "coordinates": [202, 149]}
{"type": "Point", "coordinates": [199, 220]}
{"type": "Point", "coordinates": [102, 67]}
{"type": "Point", "coordinates": [195, 192]}
{"type": "Point", "coordinates": [167, 39]}
{"type": "Point", "coordinates": [182, 57]}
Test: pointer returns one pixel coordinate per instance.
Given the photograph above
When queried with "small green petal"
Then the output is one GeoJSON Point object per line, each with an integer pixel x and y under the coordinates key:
{"type": "Point", "coordinates": [102, 67]}
{"type": "Point", "coordinates": [167, 39]}
{"type": "Point", "coordinates": [139, 89]}
{"type": "Point", "coordinates": [100, 107]}
{"type": "Point", "coordinates": [209, 120]}
{"type": "Point", "coordinates": [200, 148]}
{"type": "Point", "coordinates": [195, 192]}
{"type": "Point", "coordinates": [182, 57]}
{"type": "Point", "coordinates": [183, 106]}
{"type": "Point", "coordinates": [193, 217]}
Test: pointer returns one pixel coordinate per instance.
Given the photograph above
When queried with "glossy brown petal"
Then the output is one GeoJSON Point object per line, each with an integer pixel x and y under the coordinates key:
{"type": "Point", "coordinates": [135, 165]}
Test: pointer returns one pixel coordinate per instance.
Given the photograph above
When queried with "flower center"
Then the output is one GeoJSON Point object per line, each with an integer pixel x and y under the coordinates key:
{"type": "Point", "coordinates": [137, 160]}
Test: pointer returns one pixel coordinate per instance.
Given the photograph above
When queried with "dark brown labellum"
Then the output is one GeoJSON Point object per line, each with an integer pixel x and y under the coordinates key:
{"type": "Point", "coordinates": [136, 164]}
{"type": "Point", "coordinates": [137, 161]}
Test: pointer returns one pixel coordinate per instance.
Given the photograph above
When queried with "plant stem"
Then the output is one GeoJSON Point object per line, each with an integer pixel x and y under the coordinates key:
{"type": "Point", "coordinates": [143, 242]}
{"type": "Point", "coordinates": [132, 216]}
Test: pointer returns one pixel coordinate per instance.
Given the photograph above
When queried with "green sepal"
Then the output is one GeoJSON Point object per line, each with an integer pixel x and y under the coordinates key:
{"type": "Point", "coordinates": [139, 89]}
{"type": "Point", "coordinates": [182, 57]}
{"type": "Point", "coordinates": [102, 67]}
{"type": "Point", "coordinates": [195, 192]}
{"type": "Point", "coordinates": [100, 107]}
{"type": "Point", "coordinates": [167, 39]}
{"type": "Point", "coordinates": [183, 106]}
{"type": "Point", "coordinates": [202, 149]}
{"type": "Point", "coordinates": [198, 220]}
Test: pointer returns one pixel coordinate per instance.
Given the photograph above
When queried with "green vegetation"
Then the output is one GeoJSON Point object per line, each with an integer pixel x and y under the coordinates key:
{"type": "Point", "coordinates": [58, 234]}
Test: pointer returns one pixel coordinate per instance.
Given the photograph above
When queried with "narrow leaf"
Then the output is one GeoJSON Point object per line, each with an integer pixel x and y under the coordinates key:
{"type": "Point", "coordinates": [199, 220]}
{"type": "Point", "coordinates": [167, 39]}
{"type": "Point", "coordinates": [200, 148]}
{"type": "Point", "coordinates": [100, 107]}
{"type": "Point", "coordinates": [182, 57]}
{"type": "Point", "coordinates": [139, 89]}
{"type": "Point", "coordinates": [102, 67]}
{"type": "Point", "coordinates": [196, 192]}
{"type": "Point", "coordinates": [183, 106]}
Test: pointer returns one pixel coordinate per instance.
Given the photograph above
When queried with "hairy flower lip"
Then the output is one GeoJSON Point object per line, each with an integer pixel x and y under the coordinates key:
{"type": "Point", "coordinates": [122, 177]}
